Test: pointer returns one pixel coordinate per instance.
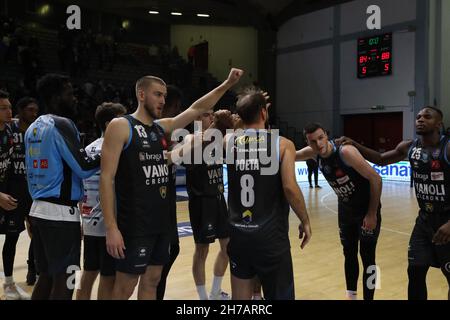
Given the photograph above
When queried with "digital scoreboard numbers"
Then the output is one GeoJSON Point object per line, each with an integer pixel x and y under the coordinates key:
{"type": "Point", "coordinates": [375, 56]}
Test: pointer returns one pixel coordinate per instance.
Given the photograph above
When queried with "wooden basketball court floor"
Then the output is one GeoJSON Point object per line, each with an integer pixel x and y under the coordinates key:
{"type": "Point", "coordinates": [319, 268]}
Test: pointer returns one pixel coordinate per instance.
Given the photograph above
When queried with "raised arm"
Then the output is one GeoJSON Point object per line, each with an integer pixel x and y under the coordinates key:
{"type": "Point", "coordinates": [116, 136]}
{"type": "Point", "coordinates": [182, 152]}
{"type": "Point", "coordinates": [291, 189]}
{"type": "Point", "coordinates": [304, 154]}
{"type": "Point", "coordinates": [202, 105]}
{"type": "Point", "coordinates": [70, 148]}
{"type": "Point", "coordinates": [392, 156]}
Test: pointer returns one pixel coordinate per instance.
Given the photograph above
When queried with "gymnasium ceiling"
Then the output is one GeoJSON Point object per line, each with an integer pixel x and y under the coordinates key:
{"type": "Point", "coordinates": [258, 13]}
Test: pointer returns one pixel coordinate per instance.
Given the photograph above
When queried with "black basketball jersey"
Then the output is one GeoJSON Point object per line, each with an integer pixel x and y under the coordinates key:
{"type": "Point", "coordinates": [204, 179]}
{"type": "Point", "coordinates": [258, 209]}
{"type": "Point", "coordinates": [431, 173]}
{"type": "Point", "coordinates": [351, 188]}
{"type": "Point", "coordinates": [18, 168]}
{"type": "Point", "coordinates": [17, 179]}
{"type": "Point", "coordinates": [141, 182]}
{"type": "Point", "coordinates": [6, 149]}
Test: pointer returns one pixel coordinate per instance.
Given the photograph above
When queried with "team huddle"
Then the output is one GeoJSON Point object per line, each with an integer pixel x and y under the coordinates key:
{"type": "Point", "coordinates": [122, 189]}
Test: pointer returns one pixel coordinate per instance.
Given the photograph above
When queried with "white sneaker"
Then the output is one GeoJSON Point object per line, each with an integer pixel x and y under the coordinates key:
{"type": "Point", "coordinates": [221, 295]}
{"type": "Point", "coordinates": [10, 291]}
{"type": "Point", "coordinates": [23, 294]}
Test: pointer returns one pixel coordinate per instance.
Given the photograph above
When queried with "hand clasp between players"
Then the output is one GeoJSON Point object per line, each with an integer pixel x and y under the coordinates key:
{"type": "Point", "coordinates": [7, 202]}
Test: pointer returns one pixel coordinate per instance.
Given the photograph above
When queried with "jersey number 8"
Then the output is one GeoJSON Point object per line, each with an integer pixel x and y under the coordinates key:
{"type": "Point", "coordinates": [247, 192]}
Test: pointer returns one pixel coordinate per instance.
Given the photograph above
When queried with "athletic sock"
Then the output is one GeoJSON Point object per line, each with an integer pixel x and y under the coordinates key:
{"type": "Point", "coordinates": [351, 295]}
{"type": "Point", "coordinates": [217, 285]}
{"type": "Point", "coordinates": [257, 296]}
{"type": "Point", "coordinates": [201, 290]}
{"type": "Point", "coordinates": [9, 280]}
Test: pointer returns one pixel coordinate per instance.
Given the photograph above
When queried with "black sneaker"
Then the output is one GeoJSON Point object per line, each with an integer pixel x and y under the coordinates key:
{"type": "Point", "coordinates": [31, 277]}
{"type": "Point", "coordinates": [311, 186]}
{"type": "Point", "coordinates": [317, 186]}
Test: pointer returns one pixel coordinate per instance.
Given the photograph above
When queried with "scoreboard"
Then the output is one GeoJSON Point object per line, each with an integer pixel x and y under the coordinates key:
{"type": "Point", "coordinates": [375, 56]}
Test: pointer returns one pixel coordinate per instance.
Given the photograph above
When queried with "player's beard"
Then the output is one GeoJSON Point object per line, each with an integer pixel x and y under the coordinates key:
{"type": "Point", "coordinates": [151, 111]}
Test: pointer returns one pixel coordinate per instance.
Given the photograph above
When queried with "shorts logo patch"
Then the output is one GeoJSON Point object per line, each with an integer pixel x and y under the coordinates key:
{"type": "Point", "coordinates": [447, 267]}
{"type": "Point", "coordinates": [142, 252]}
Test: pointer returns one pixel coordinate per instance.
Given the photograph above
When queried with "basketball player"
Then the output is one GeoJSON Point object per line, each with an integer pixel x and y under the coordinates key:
{"type": "Point", "coordinates": [358, 188]}
{"type": "Point", "coordinates": [259, 205]}
{"type": "Point", "coordinates": [171, 109]}
{"type": "Point", "coordinates": [237, 124]}
{"type": "Point", "coordinates": [209, 217]}
{"type": "Point", "coordinates": [56, 164]}
{"type": "Point", "coordinates": [133, 157]}
{"type": "Point", "coordinates": [8, 224]}
{"type": "Point", "coordinates": [96, 258]}
{"type": "Point", "coordinates": [28, 110]}
{"type": "Point", "coordinates": [429, 156]}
